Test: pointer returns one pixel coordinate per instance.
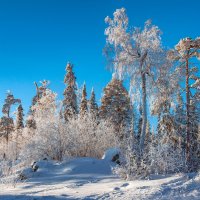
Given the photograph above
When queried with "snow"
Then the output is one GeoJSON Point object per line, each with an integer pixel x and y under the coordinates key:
{"type": "Point", "coordinates": [89, 178]}
{"type": "Point", "coordinates": [110, 153]}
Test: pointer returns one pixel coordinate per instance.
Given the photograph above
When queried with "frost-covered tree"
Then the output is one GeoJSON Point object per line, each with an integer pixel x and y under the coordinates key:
{"type": "Point", "coordinates": [40, 90]}
{"type": "Point", "coordinates": [83, 106]}
{"type": "Point", "coordinates": [91, 137]}
{"type": "Point", "coordinates": [70, 98]}
{"type": "Point", "coordinates": [194, 142]}
{"type": "Point", "coordinates": [180, 120]}
{"type": "Point", "coordinates": [56, 139]}
{"type": "Point", "coordinates": [9, 101]}
{"type": "Point", "coordinates": [19, 118]}
{"type": "Point", "coordinates": [93, 107]}
{"type": "Point", "coordinates": [134, 53]}
{"type": "Point", "coordinates": [6, 122]}
{"type": "Point", "coordinates": [185, 51]}
{"type": "Point", "coordinates": [48, 138]}
{"type": "Point", "coordinates": [17, 137]}
{"type": "Point", "coordinates": [139, 123]}
{"type": "Point", "coordinates": [162, 102]}
{"type": "Point", "coordinates": [148, 134]}
{"type": "Point", "coordinates": [115, 105]}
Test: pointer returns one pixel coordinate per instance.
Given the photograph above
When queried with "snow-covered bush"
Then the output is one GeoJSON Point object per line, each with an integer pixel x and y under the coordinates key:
{"type": "Point", "coordinates": [166, 158]}
{"type": "Point", "coordinates": [56, 138]}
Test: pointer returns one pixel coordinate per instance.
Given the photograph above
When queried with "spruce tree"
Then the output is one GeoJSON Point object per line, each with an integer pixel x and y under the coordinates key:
{"type": "Point", "coordinates": [70, 98]}
{"type": "Point", "coordinates": [83, 105]}
{"type": "Point", "coordinates": [19, 118]}
{"type": "Point", "coordinates": [93, 107]}
{"type": "Point", "coordinates": [115, 105]}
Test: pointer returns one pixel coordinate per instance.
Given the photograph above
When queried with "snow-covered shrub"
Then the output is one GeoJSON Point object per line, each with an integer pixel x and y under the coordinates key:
{"type": "Point", "coordinates": [165, 158]}
{"type": "Point", "coordinates": [56, 138]}
{"type": "Point", "coordinates": [10, 171]}
{"type": "Point", "coordinates": [91, 138]}
{"type": "Point", "coordinates": [158, 157]}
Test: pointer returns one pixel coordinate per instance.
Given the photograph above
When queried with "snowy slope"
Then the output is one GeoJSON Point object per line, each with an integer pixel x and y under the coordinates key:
{"type": "Point", "coordinates": [89, 178]}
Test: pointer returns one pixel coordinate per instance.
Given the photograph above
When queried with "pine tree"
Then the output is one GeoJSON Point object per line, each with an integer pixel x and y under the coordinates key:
{"type": "Point", "coordinates": [93, 107]}
{"type": "Point", "coordinates": [70, 98]}
{"type": "Point", "coordinates": [19, 125]}
{"type": "Point", "coordinates": [186, 50]}
{"type": "Point", "coordinates": [6, 122]}
{"type": "Point", "coordinates": [19, 118]}
{"type": "Point", "coordinates": [83, 105]}
{"type": "Point", "coordinates": [115, 105]}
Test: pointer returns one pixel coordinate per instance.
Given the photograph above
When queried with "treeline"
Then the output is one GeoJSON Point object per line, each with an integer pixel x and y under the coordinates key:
{"type": "Point", "coordinates": [71, 127]}
{"type": "Point", "coordinates": [163, 83]}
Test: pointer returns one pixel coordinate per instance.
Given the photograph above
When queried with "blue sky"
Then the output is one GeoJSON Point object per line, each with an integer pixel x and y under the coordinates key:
{"type": "Point", "coordinates": [38, 37]}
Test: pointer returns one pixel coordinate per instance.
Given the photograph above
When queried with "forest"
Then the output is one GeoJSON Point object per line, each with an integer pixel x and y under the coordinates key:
{"type": "Point", "coordinates": [161, 83]}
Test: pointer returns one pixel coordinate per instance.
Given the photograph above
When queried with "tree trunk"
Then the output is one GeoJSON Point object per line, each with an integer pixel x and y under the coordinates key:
{"type": "Point", "coordinates": [187, 111]}
{"type": "Point", "coordinates": [144, 113]}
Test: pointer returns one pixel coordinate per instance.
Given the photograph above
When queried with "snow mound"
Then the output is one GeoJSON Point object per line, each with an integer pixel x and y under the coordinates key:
{"type": "Point", "coordinates": [110, 153]}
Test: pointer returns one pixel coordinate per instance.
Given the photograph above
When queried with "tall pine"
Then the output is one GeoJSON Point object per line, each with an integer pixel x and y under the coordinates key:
{"type": "Point", "coordinates": [93, 107]}
{"type": "Point", "coordinates": [83, 105]}
{"type": "Point", "coordinates": [70, 98]}
{"type": "Point", "coordinates": [19, 118]}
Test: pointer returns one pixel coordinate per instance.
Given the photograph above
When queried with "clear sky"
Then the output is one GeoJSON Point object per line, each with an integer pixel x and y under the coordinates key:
{"type": "Point", "coordinates": [38, 37]}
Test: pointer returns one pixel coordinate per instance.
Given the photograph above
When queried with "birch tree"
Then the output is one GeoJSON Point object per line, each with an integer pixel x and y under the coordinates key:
{"type": "Point", "coordinates": [133, 53]}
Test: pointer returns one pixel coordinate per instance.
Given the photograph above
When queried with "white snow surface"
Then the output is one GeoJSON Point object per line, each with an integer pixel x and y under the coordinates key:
{"type": "Point", "coordinates": [110, 153]}
{"type": "Point", "coordinates": [89, 178]}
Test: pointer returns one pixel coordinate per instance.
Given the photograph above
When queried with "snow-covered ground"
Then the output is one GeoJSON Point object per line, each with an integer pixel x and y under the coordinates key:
{"type": "Point", "coordinates": [89, 178]}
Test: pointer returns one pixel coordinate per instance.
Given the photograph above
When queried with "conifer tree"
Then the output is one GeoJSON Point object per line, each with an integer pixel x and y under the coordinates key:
{"type": "Point", "coordinates": [115, 105]}
{"type": "Point", "coordinates": [83, 105]}
{"type": "Point", "coordinates": [93, 107]}
{"type": "Point", "coordinates": [6, 122]}
{"type": "Point", "coordinates": [186, 50]}
{"type": "Point", "coordinates": [19, 118]}
{"type": "Point", "coordinates": [19, 125]}
{"type": "Point", "coordinates": [70, 98]}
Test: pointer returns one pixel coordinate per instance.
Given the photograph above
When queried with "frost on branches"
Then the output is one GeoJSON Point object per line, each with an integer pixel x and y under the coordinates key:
{"type": "Point", "coordinates": [70, 97]}
{"type": "Point", "coordinates": [186, 51]}
{"type": "Point", "coordinates": [115, 106]}
{"type": "Point", "coordinates": [134, 53]}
